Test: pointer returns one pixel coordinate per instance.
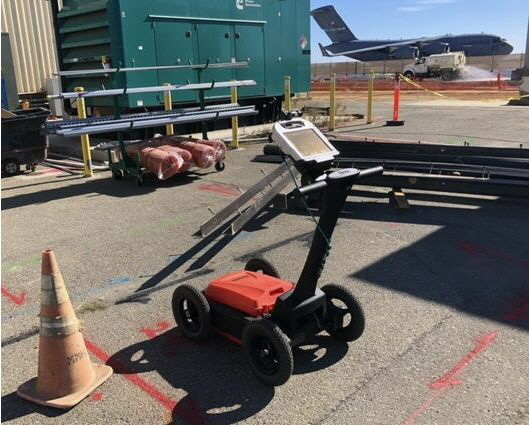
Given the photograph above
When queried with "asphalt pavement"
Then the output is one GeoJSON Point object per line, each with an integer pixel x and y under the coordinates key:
{"type": "Point", "coordinates": [444, 285]}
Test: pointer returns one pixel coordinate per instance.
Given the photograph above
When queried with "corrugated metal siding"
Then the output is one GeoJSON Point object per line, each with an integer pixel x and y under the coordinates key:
{"type": "Point", "coordinates": [30, 27]}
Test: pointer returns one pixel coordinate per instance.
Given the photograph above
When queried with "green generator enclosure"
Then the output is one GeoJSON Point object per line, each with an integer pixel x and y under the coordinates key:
{"type": "Point", "coordinates": [272, 35]}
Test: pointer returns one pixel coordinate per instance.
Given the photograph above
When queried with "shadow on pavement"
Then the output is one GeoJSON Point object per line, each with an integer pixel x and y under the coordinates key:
{"type": "Point", "coordinates": [218, 384]}
{"type": "Point", "coordinates": [207, 248]}
{"type": "Point", "coordinates": [109, 187]}
{"type": "Point", "coordinates": [474, 256]}
{"type": "Point", "coordinates": [14, 407]}
{"type": "Point", "coordinates": [475, 260]}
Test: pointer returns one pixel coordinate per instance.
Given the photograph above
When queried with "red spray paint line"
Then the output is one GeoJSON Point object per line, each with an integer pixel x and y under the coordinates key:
{"type": "Point", "coordinates": [221, 189]}
{"type": "Point", "coordinates": [172, 340]}
{"type": "Point", "coordinates": [190, 414]}
{"type": "Point", "coordinates": [519, 313]}
{"type": "Point", "coordinates": [97, 396]}
{"type": "Point", "coordinates": [424, 407]}
{"type": "Point", "coordinates": [17, 299]}
{"type": "Point", "coordinates": [448, 380]}
{"type": "Point", "coordinates": [476, 250]}
{"type": "Point", "coordinates": [153, 333]}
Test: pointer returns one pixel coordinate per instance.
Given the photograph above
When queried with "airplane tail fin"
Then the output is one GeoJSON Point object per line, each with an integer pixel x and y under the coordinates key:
{"type": "Point", "coordinates": [324, 51]}
{"type": "Point", "coordinates": [336, 29]}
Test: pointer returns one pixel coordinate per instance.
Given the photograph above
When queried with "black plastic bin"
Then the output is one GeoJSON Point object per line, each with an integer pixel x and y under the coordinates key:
{"type": "Point", "coordinates": [23, 140]}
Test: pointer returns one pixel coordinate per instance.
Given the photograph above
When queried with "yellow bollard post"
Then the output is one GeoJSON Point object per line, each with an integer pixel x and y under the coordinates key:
{"type": "Point", "coordinates": [168, 102]}
{"type": "Point", "coordinates": [288, 104]}
{"type": "Point", "coordinates": [85, 139]}
{"type": "Point", "coordinates": [234, 121]}
{"type": "Point", "coordinates": [370, 98]}
{"type": "Point", "coordinates": [332, 101]}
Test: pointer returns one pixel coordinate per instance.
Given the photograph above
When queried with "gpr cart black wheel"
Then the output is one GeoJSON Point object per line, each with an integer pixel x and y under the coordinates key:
{"type": "Point", "coordinates": [192, 312]}
{"type": "Point", "coordinates": [261, 265]}
{"type": "Point", "coordinates": [267, 350]}
{"type": "Point", "coordinates": [220, 166]}
{"type": "Point", "coordinates": [346, 320]}
{"type": "Point", "coordinates": [271, 149]}
{"type": "Point", "coordinates": [10, 167]}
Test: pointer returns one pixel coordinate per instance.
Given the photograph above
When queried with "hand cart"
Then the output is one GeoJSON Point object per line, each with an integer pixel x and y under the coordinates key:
{"type": "Point", "coordinates": [121, 123]}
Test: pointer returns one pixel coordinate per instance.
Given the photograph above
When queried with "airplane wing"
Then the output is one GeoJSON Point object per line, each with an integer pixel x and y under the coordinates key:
{"type": "Point", "coordinates": [417, 42]}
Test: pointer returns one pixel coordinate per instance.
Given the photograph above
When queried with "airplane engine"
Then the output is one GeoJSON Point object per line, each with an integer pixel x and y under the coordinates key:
{"type": "Point", "coordinates": [405, 52]}
{"type": "Point", "coordinates": [435, 48]}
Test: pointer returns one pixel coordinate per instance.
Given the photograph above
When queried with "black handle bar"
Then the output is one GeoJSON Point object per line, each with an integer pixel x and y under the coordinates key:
{"type": "Point", "coordinates": [370, 172]}
{"type": "Point", "coordinates": [319, 185]}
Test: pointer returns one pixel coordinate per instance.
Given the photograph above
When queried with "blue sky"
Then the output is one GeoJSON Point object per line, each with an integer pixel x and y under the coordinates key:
{"type": "Point", "coordinates": [373, 19]}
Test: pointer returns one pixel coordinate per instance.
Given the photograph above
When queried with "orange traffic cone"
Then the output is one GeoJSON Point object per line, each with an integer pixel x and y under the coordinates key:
{"type": "Point", "coordinates": [66, 374]}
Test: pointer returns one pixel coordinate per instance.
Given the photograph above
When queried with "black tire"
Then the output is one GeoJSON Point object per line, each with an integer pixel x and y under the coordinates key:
{"type": "Point", "coordinates": [220, 166]}
{"type": "Point", "coordinates": [271, 149]}
{"type": "Point", "coordinates": [261, 265]}
{"type": "Point", "coordinates": [117, 174]}
{"type": "Point", "coordinates": [10, 167]}
{"type": "Point", "coordinates": [447, 75]}
{"type": "Point", "coordinates": [191, 312]}
{"type": "Point", "coordinates": [409, 75]}
{"type": "Point", "coordinates": [336, 315]}
{"type": "Point", "coordinates": [267, 350]}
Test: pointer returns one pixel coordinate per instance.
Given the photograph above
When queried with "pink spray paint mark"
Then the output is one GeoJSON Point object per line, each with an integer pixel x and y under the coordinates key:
{"type": "Point", "coordinates": [19, 300]}
{"type": "Point", "coordinates": [172, 339]}
{"type": "Point", "coordinates": [97, 396]}
{"type": "Point", "coordinates": [189, 411]}
{"type": "Point", "coordinates": [479, 251]}
{"type": "Point", "coordinates": [221, 189]}
{"type": "Point", "coordinates": [152, 333]}
{"type": "Point", "coordinates": [449, 380]}
{"type": "Point", "coordinates": [521, 312]}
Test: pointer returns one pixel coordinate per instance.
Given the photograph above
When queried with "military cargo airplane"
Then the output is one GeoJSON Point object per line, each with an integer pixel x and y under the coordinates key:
{"type": "Point", "coordinates": [344, 42]}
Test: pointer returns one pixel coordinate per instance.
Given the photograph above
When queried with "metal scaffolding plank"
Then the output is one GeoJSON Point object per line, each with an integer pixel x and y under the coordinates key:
{"type": "Point", "coordinates": [267, 198]}
{"type": "Point", "coordinates": [61, 124]}
{"type": "Point", "coordinates": [209, 226]}
{"type": "Point", "coordinates": [156, 122]}
{"type": "Point", "coordinates": [134, 90]}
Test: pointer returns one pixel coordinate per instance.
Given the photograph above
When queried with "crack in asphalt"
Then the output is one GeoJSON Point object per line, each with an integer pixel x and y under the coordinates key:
{"type": "Point", "coordinates": [361, 385]}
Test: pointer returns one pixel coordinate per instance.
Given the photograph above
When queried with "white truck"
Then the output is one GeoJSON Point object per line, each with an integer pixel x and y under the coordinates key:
{"type": "Point", "coordinates": [448, 66]}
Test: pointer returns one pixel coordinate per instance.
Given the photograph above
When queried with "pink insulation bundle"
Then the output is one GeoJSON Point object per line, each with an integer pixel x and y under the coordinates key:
{"type": "Point", "coordinates": [219, 146]}
{"type": "Point", "coordinates": [157, 161]}
{"type": "Point", "coordinates": [185, 155]}
{"type": "Point", "coordinates": [203, 155]}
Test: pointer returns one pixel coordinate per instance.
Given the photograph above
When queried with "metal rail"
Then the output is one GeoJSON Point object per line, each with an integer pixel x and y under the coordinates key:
{"type": "Point", "coordinates": [469, 185]}
{"type": "Point", "coordinates": [53, 125]}
{"type": "Point", "coordinates": [134, 90]}
{"type": "Point", "coordinates": [103, 71]}
{"type": "Point", "coordinates": [267, 198]}
{"type": "Point", "coordinates": [355, 147]}
{"type": "Point", "coordinates": [209, 226]}
{"type": "Point", "coordinates": [134, 123]}
{"type": "Point", "coordinates": [435, 168]}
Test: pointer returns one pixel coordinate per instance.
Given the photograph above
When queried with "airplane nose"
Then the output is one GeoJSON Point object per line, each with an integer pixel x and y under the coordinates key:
{"type": "Point", "coordinates": [507, 48]}
{"type": "Point", "coordinates": [503, 48]}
